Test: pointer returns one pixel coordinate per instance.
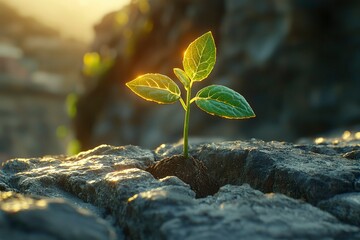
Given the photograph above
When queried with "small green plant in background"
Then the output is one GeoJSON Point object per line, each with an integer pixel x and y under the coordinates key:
{"type": "Point", "coordinates": [95, 65]}
{"type": "Point", "coordinates": [63, 132]}
{"type": "Point", "coordinates": [198, 62]}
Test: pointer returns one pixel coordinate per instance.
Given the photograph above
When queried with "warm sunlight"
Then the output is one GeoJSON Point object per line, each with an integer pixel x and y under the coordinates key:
{"type": "Point", "coordinates": [74, 18]}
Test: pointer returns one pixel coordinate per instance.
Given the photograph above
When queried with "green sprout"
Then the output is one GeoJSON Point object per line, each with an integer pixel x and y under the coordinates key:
{"type": "Point", "coordinates": [198, 62]}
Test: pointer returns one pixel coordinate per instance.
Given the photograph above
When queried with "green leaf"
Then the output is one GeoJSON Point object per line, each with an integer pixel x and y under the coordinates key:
{"type": "Point", "coordinates": [223, 102]}
{"type": "Point", "coordinates": [155, 87]}
{"type": "Point", "coordinates": [181, 75]}
{"type": "Point", "coordinates": [199, 58]}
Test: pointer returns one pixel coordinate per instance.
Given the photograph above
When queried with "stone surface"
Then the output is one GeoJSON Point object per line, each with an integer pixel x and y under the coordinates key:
{"type": "Point", "coordinates": [243, 213]}
{"type": "Point", "coordinates": [29, 218]}
{"type": "Point", "coordinates": [270, 190]}
{"type": "Point", "coordinates": [235, 212]}
{"type": "Point", "coordinates": [3, 183]}
{"type": "Point", "coordinates": [189, 170]}
{"type": "Point", "coordinates": [345, 207]}
{"type": "Point", "coordinates": [312, 172]}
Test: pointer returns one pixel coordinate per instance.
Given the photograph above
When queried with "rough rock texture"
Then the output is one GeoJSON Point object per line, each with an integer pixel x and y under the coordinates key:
{"type": "Point", "coordinates": [296, 62]}
{"type": "Point", "coordinates": [235, 212]}
{"type": "Point", "coordinates": [270, 190]}
{"type": "Point", "coordinates": [32, 218]}
{"type": "Point", "coordinates": [345, 206]}
{"type": "Point", "coordinates": [189, 170]}
{"type": "Point", "coordinates": [300, 171]}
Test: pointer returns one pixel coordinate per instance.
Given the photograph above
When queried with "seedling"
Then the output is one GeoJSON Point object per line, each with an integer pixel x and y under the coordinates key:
{"type": "Point", "coordinates": [198, 62]}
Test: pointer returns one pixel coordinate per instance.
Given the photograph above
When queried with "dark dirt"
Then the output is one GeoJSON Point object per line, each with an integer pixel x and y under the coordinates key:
{"type": "Point", "coordinates": [189, 170]}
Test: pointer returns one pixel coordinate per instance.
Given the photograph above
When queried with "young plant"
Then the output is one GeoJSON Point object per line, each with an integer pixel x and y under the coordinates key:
{"type": "Point", "coordinates": [198, 62]}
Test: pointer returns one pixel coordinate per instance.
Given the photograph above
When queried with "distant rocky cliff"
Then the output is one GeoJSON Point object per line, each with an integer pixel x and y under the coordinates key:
{"type": "Point", "coordinates": [295, 61]}
{"type": "Point", "coordinates": [38, 68]}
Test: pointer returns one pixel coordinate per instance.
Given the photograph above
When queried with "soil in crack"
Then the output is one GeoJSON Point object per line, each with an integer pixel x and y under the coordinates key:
{"type": "Point", "coordinates": [189, 170]}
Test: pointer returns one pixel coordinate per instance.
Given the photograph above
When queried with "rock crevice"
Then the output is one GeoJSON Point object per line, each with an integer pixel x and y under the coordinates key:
{"type": "Point", "coordinates": [269, 190]}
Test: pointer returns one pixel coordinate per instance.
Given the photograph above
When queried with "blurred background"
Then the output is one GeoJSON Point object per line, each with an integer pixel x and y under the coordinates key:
{"type": "Point", "coordinates": [63, 66]}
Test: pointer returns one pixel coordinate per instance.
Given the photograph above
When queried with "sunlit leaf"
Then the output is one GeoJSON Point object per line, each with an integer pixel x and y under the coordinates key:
{"type": "Point", "coordinates": [155, 87]}
{"type": "Point", "coordinates": [199, 58]}
{"type": "Point", "coordinates": [224, 102]}
{"type": "Point", "coordinates": [181, 75]}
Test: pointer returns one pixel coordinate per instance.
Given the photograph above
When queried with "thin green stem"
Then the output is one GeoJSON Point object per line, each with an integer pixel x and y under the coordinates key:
{"type": "Point", "coordinates": [182, 103]}
{"type": "Point", "coordinates": [186, 123]}
{"type": "Point", "coordinates": [193, 100]}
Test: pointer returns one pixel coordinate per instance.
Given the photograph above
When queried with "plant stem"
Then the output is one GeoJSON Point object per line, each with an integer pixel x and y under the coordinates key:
{"type": "Point", "coordinates": [186, 123]}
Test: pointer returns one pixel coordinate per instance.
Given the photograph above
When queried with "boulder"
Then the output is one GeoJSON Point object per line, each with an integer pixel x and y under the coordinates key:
{"type": "Point", "coordinates": [312, 172]}
{"type": "Point", "coordinates": [345, 206]}
{"type": "Point", "coordinates": [25, 217]}
{"type": "Point", "coordinates": [269, 190]}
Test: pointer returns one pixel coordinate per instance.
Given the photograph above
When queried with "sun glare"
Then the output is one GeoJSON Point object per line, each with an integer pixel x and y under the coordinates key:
{"type": "Point", "coordinates": [73, 18]}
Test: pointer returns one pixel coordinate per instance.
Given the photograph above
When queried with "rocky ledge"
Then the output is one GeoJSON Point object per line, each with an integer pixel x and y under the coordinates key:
{"type": "Point", "coordinates": [268, 190]}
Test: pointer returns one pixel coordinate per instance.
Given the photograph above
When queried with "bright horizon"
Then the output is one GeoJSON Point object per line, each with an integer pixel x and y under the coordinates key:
{"type": "Point", "coordinates": [73, 18]}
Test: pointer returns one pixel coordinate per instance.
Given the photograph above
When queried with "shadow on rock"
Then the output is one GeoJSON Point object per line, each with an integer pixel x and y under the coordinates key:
{"type": "Point", "coordinates": [189, 170]}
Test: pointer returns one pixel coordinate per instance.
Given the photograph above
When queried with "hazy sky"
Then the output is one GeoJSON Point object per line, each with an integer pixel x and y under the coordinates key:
{"type": "Point", "coordinates": [74, 18]}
